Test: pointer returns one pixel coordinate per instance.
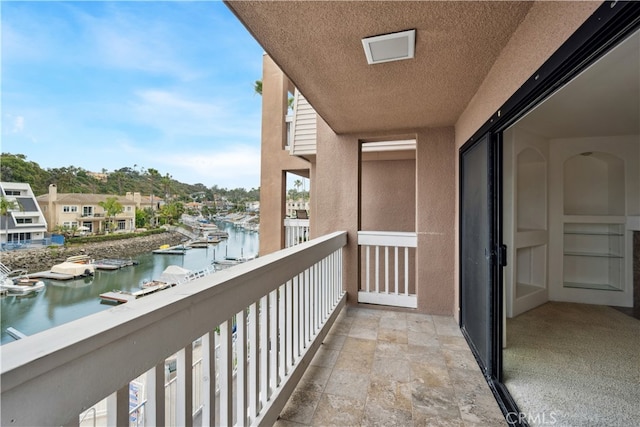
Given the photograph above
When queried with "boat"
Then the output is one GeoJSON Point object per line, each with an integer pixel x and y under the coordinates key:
{"type": "Point", "coordinates": [172, 276]}
{"type": "Point", "coordinates": [171, 250]}
{"type": "Point", "coordinates": [76, 266]}
{"type": "Point", "coordinates": [17, 282]}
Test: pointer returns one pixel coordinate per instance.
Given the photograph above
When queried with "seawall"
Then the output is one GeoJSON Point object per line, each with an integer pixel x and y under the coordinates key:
{"type": "Point", "coordinates": [41, 259]}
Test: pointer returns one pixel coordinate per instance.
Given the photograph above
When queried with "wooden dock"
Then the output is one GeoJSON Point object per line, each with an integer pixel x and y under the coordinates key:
{"type": "Point", "coordinates": [121, 297]}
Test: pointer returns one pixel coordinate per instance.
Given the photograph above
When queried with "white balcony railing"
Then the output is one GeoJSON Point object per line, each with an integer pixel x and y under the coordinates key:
{"type": "Point", "coordinates": [296, 231]}
{"type": "Point", "coordinates": [282, 306]}
{"type": "Point", "coordinates": [387, 260]}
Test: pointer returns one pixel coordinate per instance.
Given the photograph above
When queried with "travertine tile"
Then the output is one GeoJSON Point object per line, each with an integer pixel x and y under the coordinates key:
{"type": "Point", "coordinates": [334, 341]}
{"type": "Point", "coordinates": [359, 345]}
{"type": "Point", "coordinates": [301, 407]}
{"type": "Point", "coordinates": [382, 416]}
{"type": "Point", "coordinates": [434, 401]}
{"type": "Point", "coordinates": [391, 369]}
{"type": "Point", "coordinates": [349, 384]}
{"type": "Point", "coordinates": [339, 411]}
{"type": "Point", "coordinates": [389, 393]}
{"type": "Point", "coordinates": [325, 357]}
{"type": "Point", "coordinates": [430, 374]}
{"type": "Point", "coordinates": [393, 335]}
{"type": "Point", "coordinates": [446, 325]}
{"type": "Point", "coordinates": [392, 349]}
{"type": "Point", "coordinates": [354, 362]}
{"type": "Point", "coordinates": [386, 368]}
{"type": "Point", "coordinates": [314, 379]}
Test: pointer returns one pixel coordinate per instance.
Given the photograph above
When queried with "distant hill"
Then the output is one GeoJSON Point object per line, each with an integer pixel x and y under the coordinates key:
{"type": "Point", "coordinates": [72, 179]}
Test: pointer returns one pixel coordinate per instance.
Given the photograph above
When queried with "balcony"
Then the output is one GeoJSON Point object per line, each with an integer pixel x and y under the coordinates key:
{"type": "Point", "coordinates": [296, 231]}
{"type": "Point", "coordinates": [238, 343]}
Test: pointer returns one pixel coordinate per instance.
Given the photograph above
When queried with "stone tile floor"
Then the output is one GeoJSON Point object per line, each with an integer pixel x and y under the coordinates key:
{"type": "Point", "coordinates": [390, 368]}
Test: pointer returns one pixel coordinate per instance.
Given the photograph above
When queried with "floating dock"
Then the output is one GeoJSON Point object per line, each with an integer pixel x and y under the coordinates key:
{"type": "Point", "coordinates": [171, 250]}
{"type": "Point", "coordinates": [121, 297]}
{"type": "Point", "coordinates": [113, 264]}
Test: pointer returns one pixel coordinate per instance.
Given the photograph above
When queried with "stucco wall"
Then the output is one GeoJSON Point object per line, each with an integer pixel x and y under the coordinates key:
{"type": "Point", "coordinates": [274, 159]}
{"type": "Point", "coordinates": [336, 189]}
{"type": "Point", "coordinates": [545, 28]}
{"type": "Point", "coordinates": [435, 224]}
{"type": "Point", "coordinates": [388, 195]}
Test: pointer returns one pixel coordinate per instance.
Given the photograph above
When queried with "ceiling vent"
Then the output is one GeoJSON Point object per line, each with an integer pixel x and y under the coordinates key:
{"type": "Point", "coordinates": [390, 47]}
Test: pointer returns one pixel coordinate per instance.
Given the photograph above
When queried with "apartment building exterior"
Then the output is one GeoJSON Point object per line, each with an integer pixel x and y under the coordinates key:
{"type": "Point", "coordinates": [492, 196]}
{"type": "Point", "coordinates": [83, 211]}
{"type": "Point", "coordinates": [26, 224]}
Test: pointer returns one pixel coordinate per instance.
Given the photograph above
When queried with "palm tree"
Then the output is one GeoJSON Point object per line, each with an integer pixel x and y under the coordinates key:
{"type": "Point", "coordinates": [7, 206]}
{"type": "Point", "coordinates": [297, 183]}
{"type": "Point", "coordinates": [112, 207]}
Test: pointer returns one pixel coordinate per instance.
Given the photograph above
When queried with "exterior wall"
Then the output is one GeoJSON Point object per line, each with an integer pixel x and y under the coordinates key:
{"type": "Point", "coordinates": [435, 224]}
{"type": "Point", "coordinates": [274, 159]}
{"type": "Point", "coordinates": [396, 210]}
{"type": "Point", "coordinates": [335, 197]}
{"type": "Point", "coordinates": [545, 28]}
{"type": "Point", "coordinates": [424, 191]}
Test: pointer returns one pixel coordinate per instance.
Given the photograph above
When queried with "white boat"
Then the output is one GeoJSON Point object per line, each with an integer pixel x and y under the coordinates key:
{"type": "Point", "coordinates": [76, 266]}
{"type": "Point", "coordinates": [21, 284]}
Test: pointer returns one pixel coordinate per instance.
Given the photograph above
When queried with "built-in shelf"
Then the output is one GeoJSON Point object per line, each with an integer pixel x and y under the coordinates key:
{"type": "Point", "coordinates": [595, 286]}
{"type": "Point", "coordinates": [593, 254]}
{"type": "Point", "coordinates": [593, 233]}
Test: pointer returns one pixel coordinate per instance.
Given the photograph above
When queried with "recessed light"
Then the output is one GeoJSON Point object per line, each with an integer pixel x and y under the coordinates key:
{"type": "Point", "coordinates": [390, 47]}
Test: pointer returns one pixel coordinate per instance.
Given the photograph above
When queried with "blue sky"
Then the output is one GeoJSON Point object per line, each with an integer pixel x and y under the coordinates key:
{"type": "Point", "coordinates": [106, 85]}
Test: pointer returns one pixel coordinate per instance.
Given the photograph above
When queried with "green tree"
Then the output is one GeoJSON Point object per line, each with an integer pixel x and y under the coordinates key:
{"type": "Point", "coordinates": [65, 230]}
{"type": "Point", "coordinates": [142, 218]}
{"type": "Point", "coordinates": [112, 207]}
{"type": "Point", "coordinates": [172, 212]}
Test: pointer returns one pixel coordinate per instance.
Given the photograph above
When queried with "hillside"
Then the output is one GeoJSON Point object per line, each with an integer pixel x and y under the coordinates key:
{"type": "Point", "coordinates": [73, 179]}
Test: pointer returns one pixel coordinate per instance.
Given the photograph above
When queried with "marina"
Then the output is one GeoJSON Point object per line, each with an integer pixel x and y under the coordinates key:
{"type": "Point", "coordinates": [63, 299]}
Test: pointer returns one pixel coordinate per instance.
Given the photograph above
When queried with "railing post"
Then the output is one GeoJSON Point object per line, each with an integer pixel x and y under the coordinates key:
{"type": "Point", "coordinates": [226, 374]}
{"type": "Point", "coordinates": [118, 407]}
{"type": "Point", "coordinates": [241, 368]}
{"type": "Point", "coordinates": [254, 342]}
{"type": "Point", "coordinates": [184, 408]}
{"type": "Point", "coordinates": [155, 406]}
{"type": "Point", "coordinates": [209, 379]}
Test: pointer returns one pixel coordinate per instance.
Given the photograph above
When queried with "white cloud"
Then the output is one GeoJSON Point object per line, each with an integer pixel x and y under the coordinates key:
{"type": "Point", "coordinates": [237, 166]}
{"type": "Point", "coordinates": [175, 114]}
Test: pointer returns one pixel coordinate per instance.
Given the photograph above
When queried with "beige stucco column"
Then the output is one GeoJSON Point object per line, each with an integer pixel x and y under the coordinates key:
{"type": "Point", "coordinates": [336, 186]}
{"type": "Point", "coordinates": [275, 160]}
{"type": "Point", "coordinates": [435, 222]}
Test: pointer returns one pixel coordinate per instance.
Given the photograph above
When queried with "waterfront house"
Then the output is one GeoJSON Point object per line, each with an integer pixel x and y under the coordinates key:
{"type": "Point", "coordinates": [145, 202]}
{"type": "Point", "coordinates": [83, 211]}
{"type": "Point", "coordinates": [519, 196]}
{"type": "Point", "coordinates": [25, 224]}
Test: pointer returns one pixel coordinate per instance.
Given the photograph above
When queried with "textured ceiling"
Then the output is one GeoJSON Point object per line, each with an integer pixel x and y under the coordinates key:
{"type": "Point", "coordinates": [318, 45]}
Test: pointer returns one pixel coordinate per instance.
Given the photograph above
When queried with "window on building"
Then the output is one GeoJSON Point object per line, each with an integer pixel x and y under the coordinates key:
{"type": "Point", "coordinates": [87, 210]}
{"type": "Point", "coordinates": [74, 209]}
{"type": "Point", "coordinates": [66, 209]}
{"type": "Point", "coordinates": [12, 192]}
{"type": "Point", "coordinates": [122, 224]}
{"type": "Point", "coordinates": [24, 220]}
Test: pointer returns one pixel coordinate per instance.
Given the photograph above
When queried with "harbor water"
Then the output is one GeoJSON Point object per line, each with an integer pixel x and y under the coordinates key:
{"type": "Point", "coordinates": [63, 301]}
